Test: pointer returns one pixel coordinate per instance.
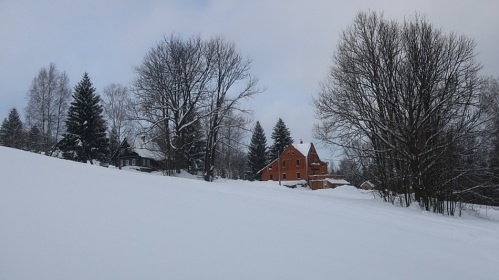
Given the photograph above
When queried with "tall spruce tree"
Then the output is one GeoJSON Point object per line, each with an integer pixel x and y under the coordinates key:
{"type": "Point", "coordinates": [282, 139]}
{"type": "Point", "coordinates": [34, 139]}
{"type": "Point", "coordinates": [194, 147]}
{"type": "Point", "coordinates": [257, 153]}
{"type": "Point", "coordinates": [11, 131]}
{"type": "Point", "coordinates": [85, 138]}
{"type": "Point", "coordinates": [114, 142]}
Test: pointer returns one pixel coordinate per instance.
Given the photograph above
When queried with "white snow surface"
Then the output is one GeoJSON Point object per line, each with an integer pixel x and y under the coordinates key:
{"type": "Point", "coordinates": [65, 220]}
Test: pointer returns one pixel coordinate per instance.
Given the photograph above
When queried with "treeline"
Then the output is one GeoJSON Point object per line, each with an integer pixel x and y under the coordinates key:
{"type": "Point", "coordinates": [188, 97]}
{"type": "Point", "coordinates": [260, 154]}
{"type": "Point", "coordinates": [408, 105]}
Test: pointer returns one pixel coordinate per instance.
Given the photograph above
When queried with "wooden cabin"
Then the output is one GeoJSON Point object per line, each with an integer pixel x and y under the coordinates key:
{"type": "Point", "coordinates": [139, 154]}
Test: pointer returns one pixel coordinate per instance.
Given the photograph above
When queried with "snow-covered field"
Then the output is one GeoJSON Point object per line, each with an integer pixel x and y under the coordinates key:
{"type": "Point", "coordinates": [65, 220]}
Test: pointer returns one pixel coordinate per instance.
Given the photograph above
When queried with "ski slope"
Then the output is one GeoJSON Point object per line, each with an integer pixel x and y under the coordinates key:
{"type": "Point", "coordinates": [65, 220]}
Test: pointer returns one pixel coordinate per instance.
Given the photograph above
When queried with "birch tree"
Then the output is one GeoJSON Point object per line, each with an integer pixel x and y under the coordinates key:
{"type": "Point", "coordinates": [48, 100]}
{"type": "Point", "coordinates": [117, 105]}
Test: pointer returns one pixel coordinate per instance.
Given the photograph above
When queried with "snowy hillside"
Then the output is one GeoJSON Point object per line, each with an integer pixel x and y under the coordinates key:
{"type": "Point", "coordinates": [65, 220]}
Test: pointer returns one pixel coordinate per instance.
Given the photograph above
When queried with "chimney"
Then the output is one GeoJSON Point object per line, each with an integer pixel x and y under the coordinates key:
{"type": "Point", "coordinates": [301, 141]}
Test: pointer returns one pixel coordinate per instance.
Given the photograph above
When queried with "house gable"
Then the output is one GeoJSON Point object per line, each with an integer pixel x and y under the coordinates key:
{"type": "Point", "coordinates": [296, 162]}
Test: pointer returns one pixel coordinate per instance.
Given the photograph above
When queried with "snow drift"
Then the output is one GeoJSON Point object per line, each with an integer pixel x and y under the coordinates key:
{"type": "Point", "coordinates": [64, 220]}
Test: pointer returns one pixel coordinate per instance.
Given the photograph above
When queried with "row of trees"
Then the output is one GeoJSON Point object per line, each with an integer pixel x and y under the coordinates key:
{"type": "Point", "coordinates": [84, 136]}
{"type": "Point", "coordinates": [187, 97]}
{"type": "Point", "coordinates": [48, 99]}
{"type": "Point", "coordinates": [182, 85]}
{"type": "Point", "coordinates": [259, 154]}
{"type": "Point", "coordinates": [406, 103]}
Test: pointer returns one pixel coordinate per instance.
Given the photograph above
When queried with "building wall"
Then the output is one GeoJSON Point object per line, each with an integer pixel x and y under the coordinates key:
{"type": "Point", "coordinates": [293, 166]}
{"type": "Point", "coordinates": [316, 166]}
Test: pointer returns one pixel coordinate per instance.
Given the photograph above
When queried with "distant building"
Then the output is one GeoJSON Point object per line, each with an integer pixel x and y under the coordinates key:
{"type": "Point", "coordinates": [299, 164]}
{"type": "Point", "coordinates": [140, 154]}
{"type": "Point", "coordinates": [367, 185]}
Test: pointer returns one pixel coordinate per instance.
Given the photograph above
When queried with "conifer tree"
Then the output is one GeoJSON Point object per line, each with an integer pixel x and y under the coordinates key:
{"type": "Point", "coordinates": [282, 139]}
{"type": "Point", "coordinates": [34, 139]}
{"type": "Point", "coordinates": [194, 146]}
{"type": "Point", "coordinates": [85, 137]}
{"type": "Point", "coordinates": [257, 153]}
{"type": "Point", "coordinates": [114, 142]}
{"type": "Point", "coordinates": [11, 131]}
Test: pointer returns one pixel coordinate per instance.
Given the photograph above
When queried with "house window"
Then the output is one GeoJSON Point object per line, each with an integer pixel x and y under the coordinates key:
{"type": "Point", "coordinates": [127, 162]}
{"type": "Point", "coordinates": [298, 176]}
{"type": "Point", "coordinates": [297, 162]}
{"type": "Point", "coordinates": [284, 176]}
{"type": "Point", "coordinates": [134, 162]}
{"type": "Point", "coordinates": [283, 163]}
{"type": "Point", "coordinates": [271, 177]}
{"type": "Point", "coordinates": [270, 167]}
{"type": "Point", "coordinates": [121, 162]}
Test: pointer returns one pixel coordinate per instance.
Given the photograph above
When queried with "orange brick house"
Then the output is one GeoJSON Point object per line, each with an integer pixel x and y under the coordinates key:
{"type": "Point", "coordinates": [298, 163]}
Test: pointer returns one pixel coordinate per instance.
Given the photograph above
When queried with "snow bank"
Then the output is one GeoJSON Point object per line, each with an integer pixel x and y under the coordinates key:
{"type": "Point", "coordinates": [65, 220]}
{"type": "Point", "coordinates": [347, 191]}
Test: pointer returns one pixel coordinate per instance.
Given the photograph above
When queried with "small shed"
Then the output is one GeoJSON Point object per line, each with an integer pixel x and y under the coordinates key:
{"type": "Point", "coordinates": [326, 181]}
{"type": "Point", "coordinates": [367, 185]}
{"type": "Point", "coordinates": [333, 183]}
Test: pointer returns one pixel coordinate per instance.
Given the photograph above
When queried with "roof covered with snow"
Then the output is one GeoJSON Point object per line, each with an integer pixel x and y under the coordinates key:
{"type": "Point", "coordinates": [294, 182]}
{"type": "Point", "coordinates": [338, 181]}
{"type": "Point", "coordinates": [303, 148]}
{"type": "Point", "coordinates": [146, 148]}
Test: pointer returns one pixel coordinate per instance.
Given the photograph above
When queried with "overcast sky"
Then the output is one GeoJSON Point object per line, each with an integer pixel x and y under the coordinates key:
{"type": "Point", "coordinates": [290, 42]}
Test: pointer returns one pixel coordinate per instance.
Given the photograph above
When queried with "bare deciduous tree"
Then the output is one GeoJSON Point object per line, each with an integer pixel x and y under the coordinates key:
{"type": "Point", "coordinates": [231, 162]}
{"type": "Point", "coordinates": [117, 105]}
{"type": "Point", "coordinates": [181, 82]}
{"type": "Point", "coordinates": [47, 106]}
{"type": "Point", "coordinates": [231, 84]}
{"type": "Point", "coordinates": [406, 96]}
{"type": "Point", "coordinates": [171, 82]}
